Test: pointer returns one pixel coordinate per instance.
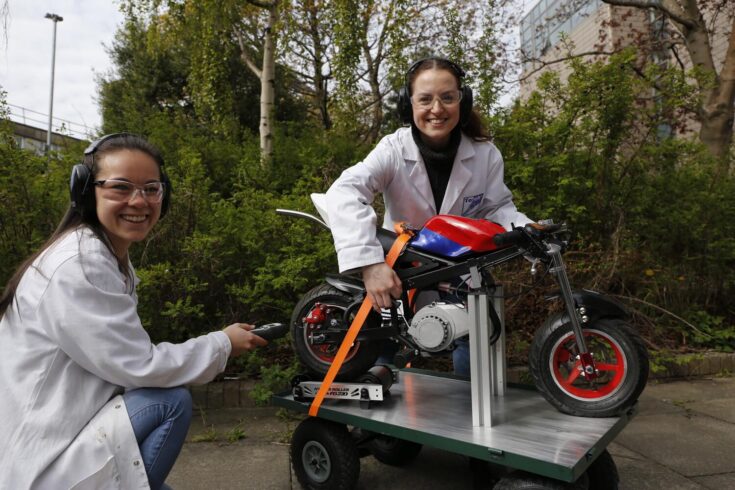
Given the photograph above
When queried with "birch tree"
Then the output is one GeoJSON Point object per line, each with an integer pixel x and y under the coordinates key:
{"type": "Point", "coordinates": [265, 24]}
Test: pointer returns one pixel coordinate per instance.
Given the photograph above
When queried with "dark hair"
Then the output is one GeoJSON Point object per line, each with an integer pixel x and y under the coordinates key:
{"type": "Point", "coordinates": [76, 218]}
{"type": "Point", "coordinates": [474, 127]}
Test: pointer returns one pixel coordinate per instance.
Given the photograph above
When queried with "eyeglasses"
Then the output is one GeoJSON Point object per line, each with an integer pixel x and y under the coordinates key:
{"type": "Point", "coordinates": [426, 101]}
{"type": "Point", "coordinates": [122, 190]}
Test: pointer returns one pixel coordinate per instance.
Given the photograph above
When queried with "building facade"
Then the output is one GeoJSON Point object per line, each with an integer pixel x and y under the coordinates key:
{"type": "Point", "coordinates": [555, 30]}
{"type": "Point", "coordinates": [594, 26]}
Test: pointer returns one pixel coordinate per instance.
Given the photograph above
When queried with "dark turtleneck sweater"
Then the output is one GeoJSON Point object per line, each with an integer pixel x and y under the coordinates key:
{"type": "Point", "coordinates": [438, 163]}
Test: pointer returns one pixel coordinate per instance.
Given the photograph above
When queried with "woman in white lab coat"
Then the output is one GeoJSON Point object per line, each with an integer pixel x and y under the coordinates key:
{"type": "Point", "coordinates": [444, 163]}
{"type": "Point", "coordinates": [86, 400]}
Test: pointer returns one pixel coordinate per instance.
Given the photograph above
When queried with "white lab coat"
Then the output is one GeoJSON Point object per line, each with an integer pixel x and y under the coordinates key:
{"type": "Point", "coordinates": [70, 343]}
{"type": "Point", "coordinates": [395, 168]}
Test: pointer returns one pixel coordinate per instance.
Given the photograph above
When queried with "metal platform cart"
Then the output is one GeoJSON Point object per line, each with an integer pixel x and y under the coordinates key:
{"type": "Point", "coordinates": [483, 418]}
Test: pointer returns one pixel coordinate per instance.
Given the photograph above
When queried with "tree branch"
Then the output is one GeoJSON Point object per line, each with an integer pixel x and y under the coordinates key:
{"type": "Point", "coordinates": [262, 3]}
{"type": "Point", "coordinates": [674, 11]}
{"type": "Point", "coordinates": [675, 52]}
{"type": "Point", "coordinates": [665, 311]}
{"type": "Point", "coordinates": [544, 64]}
{"type": "Point", "coordinates": [246, 58]}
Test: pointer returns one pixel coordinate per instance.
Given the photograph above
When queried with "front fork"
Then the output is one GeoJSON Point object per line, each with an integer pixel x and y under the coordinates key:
{"type": "Point", "coordinates": [559, 270]}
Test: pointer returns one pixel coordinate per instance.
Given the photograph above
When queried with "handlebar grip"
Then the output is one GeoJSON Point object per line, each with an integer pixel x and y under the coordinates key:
{"type": "Point", "coordinates": [552, 228]}
{"type": "Point", "coordinates": [508, 238]}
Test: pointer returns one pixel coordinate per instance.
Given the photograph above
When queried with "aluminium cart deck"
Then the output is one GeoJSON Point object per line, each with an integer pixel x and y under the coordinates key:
{"type": "Point", "coordinates": [436, 410]}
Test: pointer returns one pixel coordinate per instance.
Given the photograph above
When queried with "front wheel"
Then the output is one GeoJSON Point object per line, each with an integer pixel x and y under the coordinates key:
{"type": "Point", "coordinates": [317, 352]}
{"type": "Point", "coordinates": [323, 455]}
{"type": "Point", "coordinates": [621, 363]}
{"type": "Point", "coordinates": [603, 473]}
{"type": "Point", "coordinates": [521, 480]}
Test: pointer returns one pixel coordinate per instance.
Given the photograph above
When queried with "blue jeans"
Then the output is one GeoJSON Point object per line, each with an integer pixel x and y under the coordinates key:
{"type": "Point", "coordinates": [160, 418]}
{"type": "Point", "coordinates": [461, 357]}
{"type": "Point", "coordinates": [388, 351]}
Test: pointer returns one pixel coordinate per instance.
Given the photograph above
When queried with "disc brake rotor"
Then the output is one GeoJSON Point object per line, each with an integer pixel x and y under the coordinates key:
{"type": "Point", "coordinates": [326, 351]}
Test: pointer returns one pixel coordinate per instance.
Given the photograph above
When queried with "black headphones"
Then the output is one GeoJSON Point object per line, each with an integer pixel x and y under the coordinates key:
{"type": "Point", "coordinates": [405, 112]}
{"type": "Point", "coordinates": [81, 187]}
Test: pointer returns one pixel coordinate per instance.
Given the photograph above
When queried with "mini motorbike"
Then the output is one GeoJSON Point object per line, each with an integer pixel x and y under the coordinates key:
{"type": "Point", "coordinates": [586, 360]}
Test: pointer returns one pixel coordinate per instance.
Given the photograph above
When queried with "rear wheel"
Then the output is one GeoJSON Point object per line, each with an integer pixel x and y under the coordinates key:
{"type": "Point", "coordinates": [316, 352]}
{"type": "Point", "coordinates": [621, 363]}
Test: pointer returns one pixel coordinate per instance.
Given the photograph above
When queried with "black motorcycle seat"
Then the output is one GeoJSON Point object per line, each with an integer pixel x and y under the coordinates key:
{"type": "Point", "coordinates": [386, 238]}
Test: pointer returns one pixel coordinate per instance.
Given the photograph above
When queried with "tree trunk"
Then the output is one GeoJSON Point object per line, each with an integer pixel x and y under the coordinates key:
{"type": "Point", "coordinates": [716, 130]}
{"type": "Point", "coordinates": [718, 104]}
{"type": "Point", "coordinates": [718, 110]}
{"type": "Point", "coordinates": [267, 89]}
{"type": "Point", "coordinates": [321, 92]}
{"type": "Point", "coordinates": [321, 96]}
{"type": "Point", "coordinates": [376, 98]}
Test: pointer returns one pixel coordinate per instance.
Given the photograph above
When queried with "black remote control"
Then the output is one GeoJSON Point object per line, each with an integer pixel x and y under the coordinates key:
{"type": "Point", "coordinates": [271, 331]}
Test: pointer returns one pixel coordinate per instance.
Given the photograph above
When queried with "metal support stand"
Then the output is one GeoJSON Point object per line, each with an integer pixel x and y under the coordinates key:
{"type": "Point", "coordinates": [487, 363]}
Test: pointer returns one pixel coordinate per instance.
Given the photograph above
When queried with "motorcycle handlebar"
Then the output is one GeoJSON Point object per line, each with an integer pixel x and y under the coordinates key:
{"type": "Point", "coordinates": [508, 238]}
{"type": "Point", "coordinates": [517, 235]}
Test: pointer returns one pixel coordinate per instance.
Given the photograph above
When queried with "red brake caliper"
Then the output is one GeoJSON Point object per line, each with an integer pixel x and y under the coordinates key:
{"type": "Point", "coordinates": [317, 316]}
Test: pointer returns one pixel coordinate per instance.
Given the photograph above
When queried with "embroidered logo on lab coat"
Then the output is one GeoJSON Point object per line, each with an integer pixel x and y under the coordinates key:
{"type": "Point", "coordinates": [470, 203]}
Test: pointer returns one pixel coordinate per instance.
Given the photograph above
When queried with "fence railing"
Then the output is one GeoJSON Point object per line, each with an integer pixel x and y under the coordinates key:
{"type": "Point", "coordinates": [58, 125]}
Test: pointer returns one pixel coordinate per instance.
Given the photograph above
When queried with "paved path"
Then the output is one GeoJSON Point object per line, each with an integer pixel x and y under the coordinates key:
{"type": "Point", "coordinates": [682, 438]}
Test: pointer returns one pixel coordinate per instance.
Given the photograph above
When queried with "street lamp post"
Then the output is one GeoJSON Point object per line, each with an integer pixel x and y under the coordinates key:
{"type": "Point", "coordinates": [56, 19]}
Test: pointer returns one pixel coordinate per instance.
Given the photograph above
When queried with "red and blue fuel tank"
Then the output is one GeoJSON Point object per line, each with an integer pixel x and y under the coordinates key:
{"type": "Point", "coordinates": [456, 236]}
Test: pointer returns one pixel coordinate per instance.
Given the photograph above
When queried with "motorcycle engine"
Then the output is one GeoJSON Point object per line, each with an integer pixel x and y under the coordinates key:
{"type": "Point", "coordinates": [436, 326]}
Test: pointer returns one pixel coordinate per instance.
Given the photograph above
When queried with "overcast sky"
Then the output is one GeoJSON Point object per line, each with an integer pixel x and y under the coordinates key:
{"type": "Point", "coordinates": [25, 57]}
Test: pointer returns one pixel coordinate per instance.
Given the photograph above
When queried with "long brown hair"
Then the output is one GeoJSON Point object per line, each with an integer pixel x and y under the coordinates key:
{"type": "Point", "coordinates": [474, 127]}
{"type": "Point", "coordinates": [75, 218]}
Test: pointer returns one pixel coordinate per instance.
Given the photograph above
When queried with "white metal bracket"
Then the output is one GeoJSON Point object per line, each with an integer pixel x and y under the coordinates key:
{"type": "Point", "coordinates": [487, 363]}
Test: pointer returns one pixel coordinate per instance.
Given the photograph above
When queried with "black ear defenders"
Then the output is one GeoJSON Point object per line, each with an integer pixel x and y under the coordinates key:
{"type": "Point", "coordinates": [81, 187]}
{"type": "Point", "coordinates": [405, 112]}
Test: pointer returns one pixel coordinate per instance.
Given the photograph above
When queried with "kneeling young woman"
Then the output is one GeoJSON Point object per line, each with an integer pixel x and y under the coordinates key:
{"type": "Point", "coordinates": [86, 400]}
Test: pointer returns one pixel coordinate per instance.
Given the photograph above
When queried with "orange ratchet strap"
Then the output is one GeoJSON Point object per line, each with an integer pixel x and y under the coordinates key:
{"type": "Point", "coordinates": [404, 234]}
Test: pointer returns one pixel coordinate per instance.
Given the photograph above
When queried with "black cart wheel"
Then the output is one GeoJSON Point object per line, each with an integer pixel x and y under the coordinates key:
{"type": "Point", "coordinates": [323, 455]}
{"type": "Point", "coordinates": [394, 452]}
{"type": "Point", "coordinates": [520, 480]}
{"type": "Point", "coordinates": [326, 306]}
{"type": "Point", "coordinates": [621, 362]}
{"type": "Point", "coordinates": [603, 473]}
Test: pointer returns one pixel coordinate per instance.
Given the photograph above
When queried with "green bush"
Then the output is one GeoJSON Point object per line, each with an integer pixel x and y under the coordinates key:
{"type": "Point", "coordinates": [652, 218]}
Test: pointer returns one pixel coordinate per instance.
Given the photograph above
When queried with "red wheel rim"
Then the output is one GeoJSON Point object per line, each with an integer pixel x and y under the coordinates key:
{"type": "Point", "coordinates": [326, 352]}
{"type": "Point", "coordinates": [610, 364]}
